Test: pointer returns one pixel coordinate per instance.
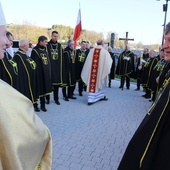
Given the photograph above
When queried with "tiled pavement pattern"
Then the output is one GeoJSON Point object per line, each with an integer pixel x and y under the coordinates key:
{"type": "Point", "coordinates": [94, 137]}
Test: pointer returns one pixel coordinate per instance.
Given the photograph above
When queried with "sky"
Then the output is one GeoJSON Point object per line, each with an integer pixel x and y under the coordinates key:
{"type": "Point", "coordinates": [142, 19]}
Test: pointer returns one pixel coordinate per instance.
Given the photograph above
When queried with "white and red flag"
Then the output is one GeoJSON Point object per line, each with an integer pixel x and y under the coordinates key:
{"type": "Point", "coordinates": [78, 28]}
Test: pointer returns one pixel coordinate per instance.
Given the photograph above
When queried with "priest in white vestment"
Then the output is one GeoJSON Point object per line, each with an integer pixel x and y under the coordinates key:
{"type": "Point", "coordinates": [95, 72]}
{"type": "Point", "coordinates": [25, 142]}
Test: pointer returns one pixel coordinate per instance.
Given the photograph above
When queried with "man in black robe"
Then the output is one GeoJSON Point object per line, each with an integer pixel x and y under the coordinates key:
{"type": "Point", "coordinates": [152, 84]}
{"type": "Point", "coordinates": [58, 77]}
{"type": "Point", "coordinates": [40, 56]}
{"type": "Point", "coordinates": [147, 71]}
{"type": "Point", "coordinates": [26, 72]}
{"type": "Point", "coordinates": [139, 68]}
{"type": "Point", "coordinates": [80, 58]}
{"type": "Point", "coordinates": [69, 56]}
{"type": "Point", "coordinates": [112, 70]}
{"type": "Point", "coordinates": [163, 72]}
{"type": "Point", "coordinates": [149, 147]}
{"type": "Point", "coordinates": [8, 66]}
{"type": "Point", "coordinates": [125, 67]}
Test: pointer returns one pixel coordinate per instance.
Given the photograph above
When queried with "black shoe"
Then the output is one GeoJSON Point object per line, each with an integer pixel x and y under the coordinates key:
{"type": "Point", "coordinates": [85, 88]}
{"type": "Point", "coordinates": [57, 102]}
{"type": "Point", "coordinates": [36, 109]}
{"type": "Point", "coordinates": [147, 97]}
{"type": "Point", "coordinates": [144, 95]}
{"type": "Point", "coordinates": [47, 102]}
{"type": "Point", "coordinates": [137, 89]}
{"type": "Point", "coordinates": [80, 94]}
{"type": "Point", "coordinates": [104, 99]}
{"type": "Point", "coordinates": [43, 109]}
{"type": "Point", "coordinates": [90, 103]}
{"type": "Point", "coordinates": [120, 87]}
{"type": "Point", "coordinates": [128, 88]}
{"type": "Point", "coordinates": [109, 85]}
{"type": "Point", "coordinates": [65, 98]}
{"type": "Point", "coordinates": [71, 97]}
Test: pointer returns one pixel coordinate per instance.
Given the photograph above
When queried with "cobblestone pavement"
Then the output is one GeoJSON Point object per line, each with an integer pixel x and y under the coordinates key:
{"type": "Point", "coordinates": [94, 137]}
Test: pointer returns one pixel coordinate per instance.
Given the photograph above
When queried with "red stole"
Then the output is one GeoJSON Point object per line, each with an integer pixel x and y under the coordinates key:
{"type": "Point", "coordinates": [94, 70]}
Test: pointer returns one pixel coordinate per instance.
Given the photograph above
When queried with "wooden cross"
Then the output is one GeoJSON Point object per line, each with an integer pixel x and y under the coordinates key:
{"type": "Point", "coordinates": [126, 39]}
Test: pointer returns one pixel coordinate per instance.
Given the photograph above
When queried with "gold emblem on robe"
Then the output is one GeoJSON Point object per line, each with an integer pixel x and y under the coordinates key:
{"type": "Point", "coordinates": [81, 57]}
{"type": "Point", "coordinates": [54, 54]}
{"type": "Point", "coordinates": [44, 59]}
{"type": "Point", "coordinates": [14, 65]}
{"type": "Point", "coordinates": [32, 63]}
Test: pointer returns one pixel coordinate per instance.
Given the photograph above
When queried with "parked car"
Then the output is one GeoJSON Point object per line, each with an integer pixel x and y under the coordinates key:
{"type": "Point", "coordinates": [15, 45]}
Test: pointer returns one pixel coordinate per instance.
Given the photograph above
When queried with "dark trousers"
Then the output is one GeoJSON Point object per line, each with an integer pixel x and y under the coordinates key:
{"type": "Point", "coordinates": [123, 78]}
{"type": "Point", "coordinates": [69, 89]}
{"type": "Point", "coordinates": [80, 86]}
{"type": "Point", "coordinates": [154, 96]}
{"type": "Point", "coordinates": [55, 93]}
{"type": "Point", "coordinates": [148, 93]}
{"type": "Point", "coordinates": [110, 82]}
{"type": "Point", "coordinates": [138, 83]}
{"type": "Point", "coordinates": [42, 102]}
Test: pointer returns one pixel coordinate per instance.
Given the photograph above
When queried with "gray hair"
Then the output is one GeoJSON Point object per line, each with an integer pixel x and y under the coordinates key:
{"type": "Point", "coordinates": [70, 42]}
{"type": "Point", "coordinates": [99, 42]}
{"type": "Point", "coordinates": [23, 42]}
{"type": "Point", "coordinates": [167, 29]}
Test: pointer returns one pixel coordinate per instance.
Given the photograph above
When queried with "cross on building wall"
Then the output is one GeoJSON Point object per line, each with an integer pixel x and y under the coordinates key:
{"type": "Point", "coordinates": [126, 39]}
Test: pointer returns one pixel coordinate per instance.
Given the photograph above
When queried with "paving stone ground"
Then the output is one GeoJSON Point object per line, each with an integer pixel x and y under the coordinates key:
{"type": "Point", "coordinates": [94, 137]}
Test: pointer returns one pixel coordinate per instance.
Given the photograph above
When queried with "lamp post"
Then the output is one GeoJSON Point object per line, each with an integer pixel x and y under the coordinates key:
{"type": "Point", "coordinates": [165, 9]}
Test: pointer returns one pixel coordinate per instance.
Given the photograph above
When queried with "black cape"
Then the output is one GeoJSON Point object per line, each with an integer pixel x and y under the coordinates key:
{"type": "Point", "coordinates": [147, 70]}
{"type": "Point", "coordinates": [55, 53]}
{"type": "Point", "coordinates": [40, 56]}
{"type": "Point", "coordinates": [149, 147]}
{"type": "Point", "coordinates": [9, 70]}
{"type": "Point", "coordinates": [124, 67]}
{"type": "Point", "coordinates": [139, 72]}
{"type": "Point", "coordinates": [152, 85]}
{"type": "Point", "coordinates": [163, 72]}
{"type": "Point", "coordinates": [26, 75]}
{"type": "Point", "coordinates": [80, 59]}
{"type": "Point", "coordinates": [69, 56]}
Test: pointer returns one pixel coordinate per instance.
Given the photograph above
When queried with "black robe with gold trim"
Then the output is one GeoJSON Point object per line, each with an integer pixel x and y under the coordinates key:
{"type": "Point", "coordinates": [126, 67]}
{"type": "Point", "coordinates": [9, 70]}
{"type": "Point", "coordinates": [163, 72]}
{"type": "Point", "coordinates": [69, 56]}
{"type": "Point", "coordinates": [40, 56]}
{"type": "Point", "coordinates": [55, 53]}
{"type": "Point", "coordinates": [139, 72]}
{"type": "Point", "coordinates": [80, 58]}
{"type": "Point", "coordinates": [149, 147]}
{"type": "Point", "coordinates": [152, 85]}
{"type": "Point", "coordinates": [147, 70]}
{"type": "Point", "coordinates": [26, 75]}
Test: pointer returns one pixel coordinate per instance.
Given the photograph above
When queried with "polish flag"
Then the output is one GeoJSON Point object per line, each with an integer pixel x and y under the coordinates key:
{"type": "Point", "coordinates": [78, 28]}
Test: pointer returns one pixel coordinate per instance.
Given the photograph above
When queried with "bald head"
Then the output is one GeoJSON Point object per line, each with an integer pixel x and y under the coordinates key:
{"type": "Point", "coordinates": [24, 44]}
{"type": "Point", "coordinates": [99, 42]}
